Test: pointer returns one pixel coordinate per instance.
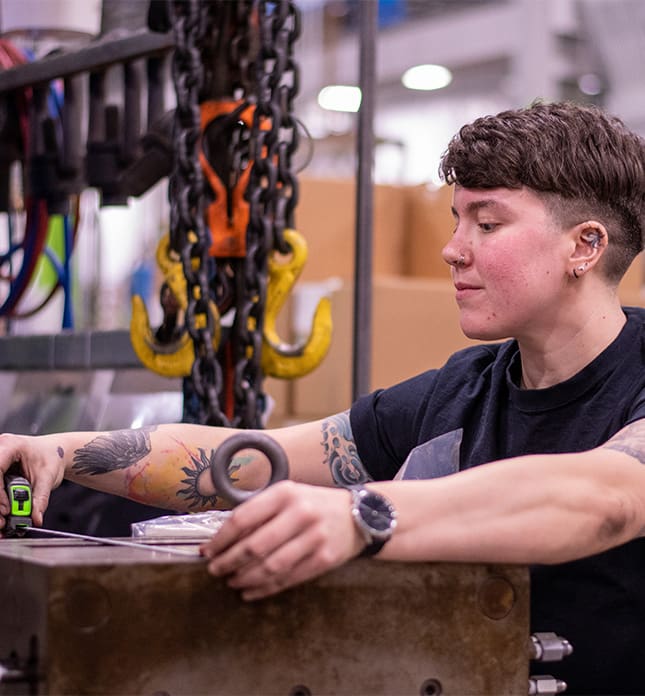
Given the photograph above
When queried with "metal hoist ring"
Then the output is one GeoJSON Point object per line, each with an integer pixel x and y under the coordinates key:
{"type": "Point", "coordinates": [223, 457]}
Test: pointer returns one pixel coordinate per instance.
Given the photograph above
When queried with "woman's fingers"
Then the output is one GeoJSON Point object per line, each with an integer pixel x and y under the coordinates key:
{"type": "Point", "coordinates": [44, 472]}
{"type": "Point", "coordinates": [40, 498]}
{"type": "Point", "coordinates": [259, 527]}
{"type": "Point", "coordinates": [308, 569]}
{"type": "Point", "coordinates": [225, 547]}
{"type": "Point", "coordinates": [283, 537]}
{"type": "Point", "coordinates": [311, 546]}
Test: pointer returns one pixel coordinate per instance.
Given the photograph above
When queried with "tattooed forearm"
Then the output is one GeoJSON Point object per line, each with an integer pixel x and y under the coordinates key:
{"type": "Point", "coordinates": [198, 480]}
{"type": "Point", "coordinates": [630, 440]}
{"type": "Point", "coordinates": [340, 451]}
{"type": "Point", "coordinates": [117, 450]}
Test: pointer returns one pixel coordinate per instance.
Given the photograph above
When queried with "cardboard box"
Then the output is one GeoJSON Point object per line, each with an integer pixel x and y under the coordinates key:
{"type": "Point", "coordinates": [429, 227]}
{"type": "Point", "coordinates": [415, 327]}
{"type": "Point", "coordinates": [326, 217]}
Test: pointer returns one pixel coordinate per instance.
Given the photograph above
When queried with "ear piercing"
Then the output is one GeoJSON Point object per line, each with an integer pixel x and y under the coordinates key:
{"type": "Point", "coordinates": [577, 272]}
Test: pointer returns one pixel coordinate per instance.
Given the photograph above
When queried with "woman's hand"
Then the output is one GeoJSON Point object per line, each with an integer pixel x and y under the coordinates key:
{"type": "Point", "coordinates": [283, 536]}
{"type": "Point", "coordinates": [39, 462]}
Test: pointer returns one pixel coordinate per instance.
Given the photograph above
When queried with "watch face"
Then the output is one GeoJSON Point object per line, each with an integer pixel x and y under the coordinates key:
{"type": "Point", "coordinates": [376, 512]}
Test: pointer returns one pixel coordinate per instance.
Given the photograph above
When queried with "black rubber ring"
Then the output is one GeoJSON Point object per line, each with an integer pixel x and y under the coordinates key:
{"type": "Point", "coordinates": [224, 455]}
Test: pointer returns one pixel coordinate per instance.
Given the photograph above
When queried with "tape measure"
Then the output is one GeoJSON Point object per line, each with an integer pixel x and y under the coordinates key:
{"type": "Point", "coordinates": [19, 494]}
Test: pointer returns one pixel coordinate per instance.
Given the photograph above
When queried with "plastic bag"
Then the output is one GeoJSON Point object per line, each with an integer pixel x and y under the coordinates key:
{"type": "Point", "coordinates": [198, 525]}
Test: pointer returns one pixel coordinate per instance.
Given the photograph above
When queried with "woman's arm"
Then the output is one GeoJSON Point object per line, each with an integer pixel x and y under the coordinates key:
{"type": "Point", "coordinates": [168, 465]}
{"type": "Point", "coordinates": [531, 509]}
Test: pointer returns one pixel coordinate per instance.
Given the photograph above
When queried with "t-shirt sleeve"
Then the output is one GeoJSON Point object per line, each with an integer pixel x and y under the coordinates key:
{"type": "Point", "coordinates": [389, 423]}
{"type": "Point", "coordinates": [637, 410]}
{"type": "Point", "coordinates": [385, 424]}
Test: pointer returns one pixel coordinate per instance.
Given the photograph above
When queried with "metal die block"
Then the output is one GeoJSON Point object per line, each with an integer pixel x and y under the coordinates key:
{"type": "Point", "coordinates": [114, 620]}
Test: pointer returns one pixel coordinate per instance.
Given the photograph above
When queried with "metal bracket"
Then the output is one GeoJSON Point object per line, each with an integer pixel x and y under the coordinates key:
{"type": "Point", "coordinates": [549, 647]}
{"type": "Point", "coordinates": [545, 685]}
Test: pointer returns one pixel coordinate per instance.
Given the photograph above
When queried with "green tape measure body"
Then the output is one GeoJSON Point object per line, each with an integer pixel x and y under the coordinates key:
{"type": "Point", "coordinates": [19, 493]}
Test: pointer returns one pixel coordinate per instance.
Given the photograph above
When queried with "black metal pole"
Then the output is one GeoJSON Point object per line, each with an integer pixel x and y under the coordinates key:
{"type": "Point", "coordinates": [362, 359]}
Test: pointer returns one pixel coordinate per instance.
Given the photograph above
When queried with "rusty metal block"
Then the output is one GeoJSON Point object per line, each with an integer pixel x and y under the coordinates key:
{"type": "Point", "coordinates": [113, 620]}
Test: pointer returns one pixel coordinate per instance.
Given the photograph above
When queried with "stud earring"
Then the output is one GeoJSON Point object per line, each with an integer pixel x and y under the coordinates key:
{"type": "Point", "coordinates": [577, 272]}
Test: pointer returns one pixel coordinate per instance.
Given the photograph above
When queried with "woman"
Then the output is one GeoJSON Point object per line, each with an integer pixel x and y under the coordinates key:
{"type": "Point", "coordinates": [548, 206]}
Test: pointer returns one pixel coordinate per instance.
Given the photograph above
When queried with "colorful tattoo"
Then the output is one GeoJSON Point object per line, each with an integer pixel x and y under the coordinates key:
{"type": "Point", "coordinates": [194, 491]}
{"type": "Point", "coordinates": [340, 451]}
{"type": "Point", "coordinates": [630, 440]}
{"type": "Point", "coordinates": [118, 450]}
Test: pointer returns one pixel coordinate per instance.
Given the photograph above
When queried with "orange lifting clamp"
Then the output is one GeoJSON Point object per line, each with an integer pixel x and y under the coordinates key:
{"type": "Point", "coordinates": [226, 219]}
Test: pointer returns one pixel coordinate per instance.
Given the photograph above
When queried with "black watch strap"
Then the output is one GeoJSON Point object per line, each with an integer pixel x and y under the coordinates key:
{"type": "Point", "coordinates": [372, 549]}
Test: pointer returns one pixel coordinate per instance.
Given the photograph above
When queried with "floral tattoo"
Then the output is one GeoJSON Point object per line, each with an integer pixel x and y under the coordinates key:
{"type": "Point", "coordinates": [200, 468]}
{"type": "Point", "coordinates": [340, 451]}
{"type": "Point", "coordinates": [118, 450]}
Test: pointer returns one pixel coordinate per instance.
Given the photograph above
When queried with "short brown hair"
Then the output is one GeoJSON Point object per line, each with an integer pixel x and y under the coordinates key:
{"type": "Point", "coordinates": [584, 163]}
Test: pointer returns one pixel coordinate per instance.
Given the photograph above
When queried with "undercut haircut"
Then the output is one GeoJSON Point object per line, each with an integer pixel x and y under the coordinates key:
{"type": "Point", "coordinates": [583, 163]}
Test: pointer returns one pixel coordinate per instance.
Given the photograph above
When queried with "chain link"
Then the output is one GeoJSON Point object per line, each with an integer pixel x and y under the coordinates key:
{"type": "Point", "coordinates": [272, 191]}
{"type": "Point", "coordinates": [189, 236]}
{"type": "Point", "coordinates": [259, 36]}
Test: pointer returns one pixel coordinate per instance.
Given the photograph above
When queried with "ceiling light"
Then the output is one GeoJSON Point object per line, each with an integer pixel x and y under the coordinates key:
{"type": "Point", "coordinates": [340, 98]}
{"type": "Point", "coordinates": [590, 84]}
{"type": "Point", "coordinates": [426, 77]}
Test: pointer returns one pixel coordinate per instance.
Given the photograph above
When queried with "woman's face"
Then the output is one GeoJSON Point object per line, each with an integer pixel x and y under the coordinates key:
{"type": "Point", "coordinates": [513, 271]}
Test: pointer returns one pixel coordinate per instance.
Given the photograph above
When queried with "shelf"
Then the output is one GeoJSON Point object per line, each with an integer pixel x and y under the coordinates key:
{"type": "Point", "coordinates": [88, 350]}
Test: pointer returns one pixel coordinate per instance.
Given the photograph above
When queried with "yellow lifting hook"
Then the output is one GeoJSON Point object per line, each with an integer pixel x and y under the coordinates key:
{"type": "Point", "coordinates": [172, 270]}
{"type": "Point", "coordinates": [280, 359]}
{"type": "Point", "coordinates": [176, 358]}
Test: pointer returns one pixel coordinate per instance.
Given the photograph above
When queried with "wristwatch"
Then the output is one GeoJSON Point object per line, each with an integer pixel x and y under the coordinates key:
{"type": "Point", "coordinates": [374, 516]}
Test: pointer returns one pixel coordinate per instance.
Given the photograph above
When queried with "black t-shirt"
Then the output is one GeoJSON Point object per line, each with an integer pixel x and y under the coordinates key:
{"type": "Point", "coordinates": [471, 411]}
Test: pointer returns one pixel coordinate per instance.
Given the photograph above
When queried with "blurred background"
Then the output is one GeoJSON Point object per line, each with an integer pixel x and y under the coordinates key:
{"type": "Point", "coordinates": [479, 56]}
{"type": "Point", "coordinates": [72, 258]}
{"type": "Point", "coordinates": [487, 55]}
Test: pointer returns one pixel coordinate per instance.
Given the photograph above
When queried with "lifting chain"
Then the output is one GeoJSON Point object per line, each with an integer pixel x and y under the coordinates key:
{"type": "Point", "coordinates": [259, 37]}
{"type": "Point", "coordinates": [272, 191]}
{"type": "Point", "coordinates": [189, 236]}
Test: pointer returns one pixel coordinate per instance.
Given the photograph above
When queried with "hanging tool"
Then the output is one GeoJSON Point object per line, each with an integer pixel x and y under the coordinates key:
{"type": "Point", "coordinates": [280, 359]}
{"type": "Point", "coordinates": [232, 193]}
{"type": "Point", "coordinates": [170, 359]}
{"type": "Point", "coordinates": [174, 357]}
{"type": "Point", "coordinates": [228, 214]}
{"type": "Point", "coordinates": [31, 247]}
{"type": "Point", "coordinates": [53, 269]}
{"type": "Point", "coordinates": [19, 492]}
